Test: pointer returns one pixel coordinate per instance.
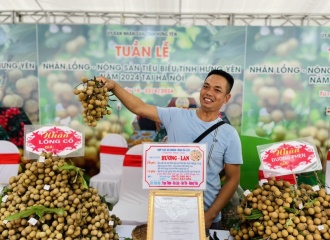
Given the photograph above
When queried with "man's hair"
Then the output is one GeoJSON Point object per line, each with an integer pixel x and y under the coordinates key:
{"type": "Point", "coordinates": [224, 74]}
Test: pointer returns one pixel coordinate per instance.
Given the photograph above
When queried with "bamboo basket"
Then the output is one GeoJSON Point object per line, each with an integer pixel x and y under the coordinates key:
{"type": "Point", "coordinates": [140, 232]}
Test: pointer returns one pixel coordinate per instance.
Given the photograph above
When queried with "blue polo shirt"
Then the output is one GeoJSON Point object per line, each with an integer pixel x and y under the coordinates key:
{"type": "Point", "coordinates": [184, 126]}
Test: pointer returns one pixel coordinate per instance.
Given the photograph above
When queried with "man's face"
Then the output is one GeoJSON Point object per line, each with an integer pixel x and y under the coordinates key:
{"type": "Point", "coordinates": [214, 93]}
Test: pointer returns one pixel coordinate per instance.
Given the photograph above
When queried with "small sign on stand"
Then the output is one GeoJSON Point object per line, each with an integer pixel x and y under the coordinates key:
{"type": "Point", "coordinates": [174, 166]}
{"type": "Point", "coordinates": [59, 140]}
{"type": "Point", "coordinates": [176, 175]}
{"type": "Point", "coordinates": [289, 157]}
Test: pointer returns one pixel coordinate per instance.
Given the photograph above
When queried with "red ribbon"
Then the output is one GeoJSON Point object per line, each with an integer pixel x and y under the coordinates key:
{"type": "Point", "coordinates": [329, 155]}
{"type": "Point", "coordinates": [9, 158]}
{"type": "Point", "coordinates": [133, 161]}
{"type": "Point", "coordinates": [113, 150]}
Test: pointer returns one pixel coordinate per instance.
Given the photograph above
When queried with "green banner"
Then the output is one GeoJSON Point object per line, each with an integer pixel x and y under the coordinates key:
{"type": "Point", "coordinates": [281, 88]}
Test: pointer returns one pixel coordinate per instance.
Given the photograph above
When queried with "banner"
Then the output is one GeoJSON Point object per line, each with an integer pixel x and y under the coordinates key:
{"type": "Point", "coordinates": [282, 78]}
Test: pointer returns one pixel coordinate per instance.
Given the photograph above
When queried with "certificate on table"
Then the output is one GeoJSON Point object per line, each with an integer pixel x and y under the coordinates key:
{"type": "Point", "coordinates": [174, 166]}
{"type": "Point", "coordinates": [175, 214]}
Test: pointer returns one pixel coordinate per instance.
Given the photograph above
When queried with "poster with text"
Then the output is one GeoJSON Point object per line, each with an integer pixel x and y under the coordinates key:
{"type": "Point", "coordinates": [155, 63]}
{"type": "Point", "coordinates": [286, 84]}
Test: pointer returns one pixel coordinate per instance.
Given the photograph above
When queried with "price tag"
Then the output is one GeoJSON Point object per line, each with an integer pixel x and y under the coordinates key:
{"type": "Point", "coordinates": [316, 188]}
{"type": "Point", "coordinates": [247, 192]}
{"type": "Point", "coordinates": [33, 221]}
{"type": "Point", "coordinates": [262, 181]}
{"type": "Point", "coordinates": [320, 227]}
{"type": "Point", "coordinates": [328, 190]}
{"type": "Point", "coordinates": [111, 223]}
{"type": "Point", "coordinates": [47, 187]}
{"type": "Point", "coordinates": [4, 199]}
{"type": "Point", "coordinates": [41, 159]}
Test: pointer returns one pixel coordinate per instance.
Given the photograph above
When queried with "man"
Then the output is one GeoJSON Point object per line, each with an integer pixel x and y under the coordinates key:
{"type": "Point", "coordinates": [184, 125]}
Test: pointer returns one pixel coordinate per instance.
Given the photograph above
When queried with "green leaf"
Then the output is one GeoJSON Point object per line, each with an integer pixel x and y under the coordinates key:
{"type": "Point", "coordinates": [291, 210]}
{"type": "Point", "coordinates": [79, 172]}
{"type": "Point", "coordinates": [103, 200]}
{"type": "Point", "coordinates": [255, 214]}
{"type": "Point", "coordinates": [311, 203]}
{"type": "Point", "coordinates": [40, 213]}
{"type": "Point", "coordinates": [83, 181]}
{"type": "Point", "coordinates": [5, 190]}
{"type": "Point", "coordinates": [38, 210]}
{"type": "Point", "coordinates": [289, 222]}
{"type": "Point", "coordinates": [23, 214]}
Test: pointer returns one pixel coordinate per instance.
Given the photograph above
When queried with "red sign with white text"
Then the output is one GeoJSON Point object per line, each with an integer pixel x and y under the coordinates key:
{"type": "Point", "coordinates": [289, 157]}
{"type": "Point", "coordinates": [60, 140]}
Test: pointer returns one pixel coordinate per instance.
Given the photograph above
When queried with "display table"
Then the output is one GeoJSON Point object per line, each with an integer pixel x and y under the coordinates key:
{"type": "Point", "coordinates": [125, 231]}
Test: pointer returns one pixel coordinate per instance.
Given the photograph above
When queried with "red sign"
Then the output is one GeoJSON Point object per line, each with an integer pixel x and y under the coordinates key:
{"type": "Point", "coordinates": [59, 140]}
{"type": "Point", "coordinates": [289, 157]}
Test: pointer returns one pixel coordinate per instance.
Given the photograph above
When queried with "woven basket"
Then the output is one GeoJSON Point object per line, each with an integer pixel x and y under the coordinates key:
{"type": "Point", "coordinates": [140, 232]}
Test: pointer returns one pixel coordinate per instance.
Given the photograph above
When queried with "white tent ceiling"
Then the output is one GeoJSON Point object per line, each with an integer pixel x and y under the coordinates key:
{"type": "Point", "coordinates": [155, 8]}
{"type": "Point", "coordinates": [174, 6]}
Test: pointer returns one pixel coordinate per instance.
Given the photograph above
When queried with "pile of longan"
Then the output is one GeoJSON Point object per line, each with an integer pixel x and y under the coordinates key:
{"type": "Point", "coordinates": [282, 211]}
{"type": "Point", "coordinates": [94, 97]}
{"type": "Point", "coordinates": [46, 183]}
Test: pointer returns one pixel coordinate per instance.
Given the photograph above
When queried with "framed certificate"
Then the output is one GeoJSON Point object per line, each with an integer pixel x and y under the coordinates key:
{"type": "Point", "coordinates": [175, 214]}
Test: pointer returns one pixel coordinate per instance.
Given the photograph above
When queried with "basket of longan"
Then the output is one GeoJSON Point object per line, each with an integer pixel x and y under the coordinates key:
{"type": "Point", "coordinates": [94, 97]}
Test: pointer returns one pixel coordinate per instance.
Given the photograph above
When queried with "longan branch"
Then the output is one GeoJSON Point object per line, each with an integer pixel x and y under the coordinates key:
{"type": "Point", "coordinates": [94, 97]}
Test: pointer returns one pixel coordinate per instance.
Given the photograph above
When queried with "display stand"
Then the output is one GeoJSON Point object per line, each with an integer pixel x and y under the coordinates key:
{"type": "Point", "coordinates": [176, 175]}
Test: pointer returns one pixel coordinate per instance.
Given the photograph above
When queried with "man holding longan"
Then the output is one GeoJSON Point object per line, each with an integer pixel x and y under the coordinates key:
{"type": "Point", "coordinates": [185, 125]}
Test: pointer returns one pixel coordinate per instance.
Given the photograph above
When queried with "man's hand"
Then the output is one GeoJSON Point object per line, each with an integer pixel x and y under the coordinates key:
{"type": "Point", "coordinates": [108, 83]}
{"type": "Point", "coordinates": [208, 220]}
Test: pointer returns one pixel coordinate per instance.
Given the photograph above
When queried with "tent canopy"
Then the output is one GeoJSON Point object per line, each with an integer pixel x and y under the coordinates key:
{"type": "Point", "coordinates": [168, 12]}
{"type": "Point", "coordinates": [173, 6]}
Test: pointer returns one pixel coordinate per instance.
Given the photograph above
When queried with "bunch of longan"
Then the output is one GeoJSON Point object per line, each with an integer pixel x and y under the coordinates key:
{"type": "Point", "coordinates": [72, 209]}
{"type": "Point", "coordinates": [280, 210]}
{"type": "Point", "coordinates": [94, 97]}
